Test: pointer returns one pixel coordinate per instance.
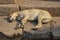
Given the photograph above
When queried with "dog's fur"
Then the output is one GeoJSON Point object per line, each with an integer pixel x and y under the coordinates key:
{"type": "Point", "coordinates": [31, 14]}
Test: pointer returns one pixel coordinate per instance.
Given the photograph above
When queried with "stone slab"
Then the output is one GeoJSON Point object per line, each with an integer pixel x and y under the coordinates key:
{"type": "Point", "coordinates": [8, 29]}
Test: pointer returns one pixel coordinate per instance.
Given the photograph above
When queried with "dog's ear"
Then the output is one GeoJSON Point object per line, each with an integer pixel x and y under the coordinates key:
{"type": "Point", "coordinates": [10, 13]}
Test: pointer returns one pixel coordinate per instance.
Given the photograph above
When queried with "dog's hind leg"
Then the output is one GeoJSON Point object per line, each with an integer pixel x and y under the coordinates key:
{"type": "Point", "coordinates": [39, 25]}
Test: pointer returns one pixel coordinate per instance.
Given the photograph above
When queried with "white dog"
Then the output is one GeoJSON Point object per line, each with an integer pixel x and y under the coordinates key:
{"type": "Point", "coordinates": [31, 14]}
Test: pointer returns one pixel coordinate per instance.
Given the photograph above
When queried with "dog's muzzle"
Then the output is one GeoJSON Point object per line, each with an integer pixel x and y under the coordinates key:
{"type": "Point", "coordinates": [9, 20]}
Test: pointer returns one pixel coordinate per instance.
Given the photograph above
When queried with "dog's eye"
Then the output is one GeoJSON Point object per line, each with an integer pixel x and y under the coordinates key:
{"type": "Point", "coordinates": [9, 16]}
{"type": "Point", "coordinates": [44, 19]}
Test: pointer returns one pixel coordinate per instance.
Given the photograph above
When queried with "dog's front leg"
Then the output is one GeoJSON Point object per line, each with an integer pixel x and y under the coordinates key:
{"type": "Point", "coordinates": [25, 19]}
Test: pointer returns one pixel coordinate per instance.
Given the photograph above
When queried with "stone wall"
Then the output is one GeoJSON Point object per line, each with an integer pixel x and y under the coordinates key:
{"type": "Point", "coordinates": [7, 6]}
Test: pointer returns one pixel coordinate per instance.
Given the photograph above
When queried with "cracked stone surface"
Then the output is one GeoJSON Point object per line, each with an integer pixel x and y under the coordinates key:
{"type": "Point", "coordinates": [8, 28]}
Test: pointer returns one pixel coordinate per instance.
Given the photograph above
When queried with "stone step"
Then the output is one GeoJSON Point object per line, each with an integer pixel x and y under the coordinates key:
{"type": "Point", "coordinates": [7, 1]}
{"type": "Point", "coordinates": [5, 9]}
{"type": "Point", "coordinates": [52, 6]}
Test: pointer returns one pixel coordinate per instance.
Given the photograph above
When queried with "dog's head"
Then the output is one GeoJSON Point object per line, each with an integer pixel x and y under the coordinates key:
{"type": "Point", "coordinates": [10, 18]}
{"type": "Point", "coordinates": [15, 16]}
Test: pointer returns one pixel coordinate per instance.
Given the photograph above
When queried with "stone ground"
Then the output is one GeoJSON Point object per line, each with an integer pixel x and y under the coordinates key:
{"type": "Point", "coordinates": [8, 29]}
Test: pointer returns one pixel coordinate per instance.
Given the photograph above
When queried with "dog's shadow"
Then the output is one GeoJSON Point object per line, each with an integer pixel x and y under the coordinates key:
{"type": "Point", "coordinates": [20, 25]}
